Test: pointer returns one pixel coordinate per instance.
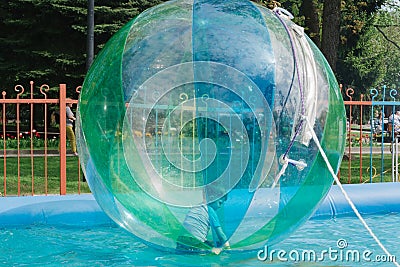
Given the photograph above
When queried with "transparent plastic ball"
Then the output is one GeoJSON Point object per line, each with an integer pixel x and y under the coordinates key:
{"type": "Point", "coordinates": [198, 112]}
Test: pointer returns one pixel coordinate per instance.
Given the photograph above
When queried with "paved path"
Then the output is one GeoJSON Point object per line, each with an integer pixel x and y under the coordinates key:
{"type": "Point", "coordinates": [367, 150]}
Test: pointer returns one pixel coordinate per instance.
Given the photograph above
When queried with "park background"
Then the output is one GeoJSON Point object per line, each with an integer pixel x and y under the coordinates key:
{"type": "Point", "coordinates": [47, 40]}
{"type": "Point", "coordinates": [53, 42]}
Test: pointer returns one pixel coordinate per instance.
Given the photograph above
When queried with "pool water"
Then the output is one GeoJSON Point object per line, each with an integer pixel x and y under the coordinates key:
{"type": "Point", "coordinates": [45, 245]}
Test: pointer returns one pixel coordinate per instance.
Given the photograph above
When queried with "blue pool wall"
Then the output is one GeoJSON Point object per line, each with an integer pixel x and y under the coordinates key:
{"type": "Point", "coordinates": [377, 198]}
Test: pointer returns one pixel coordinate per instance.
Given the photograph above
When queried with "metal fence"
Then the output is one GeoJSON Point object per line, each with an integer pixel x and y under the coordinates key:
{"type": "Point", "coordinates": [372, 139]}
{"type": "Point", "coordinates": [35, 157]}
{"type": "Point", "coordinates": [33, 161]}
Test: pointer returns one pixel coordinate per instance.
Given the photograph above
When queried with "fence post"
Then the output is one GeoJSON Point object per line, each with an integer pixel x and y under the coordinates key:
{"type": "Point", "coordinates": [63, 146]}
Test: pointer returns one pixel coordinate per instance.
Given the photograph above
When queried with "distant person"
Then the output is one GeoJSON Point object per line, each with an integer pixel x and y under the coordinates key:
{"type": "Point", "coordinates": [70, 131]}
{"type": "Point", "coordinates": [69, 127]}
{"type": "Point", "coordinates": [377, 123]}
{"type": "Point", "coordinates": [394, 120]}
{"type": "Point", "coordinates": [198, 223]}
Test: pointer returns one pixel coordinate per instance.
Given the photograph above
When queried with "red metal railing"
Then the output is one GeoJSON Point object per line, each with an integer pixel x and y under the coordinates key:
{"type": "Point", "coordinates": [29, 100]}
{"type": "Point", "coordinates": [361, 137]}
{"type": "Point", "coordinates": [361, 140]}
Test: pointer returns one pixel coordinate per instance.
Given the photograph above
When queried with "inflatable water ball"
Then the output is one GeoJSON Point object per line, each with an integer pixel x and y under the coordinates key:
{"type": "Point", "coordinates": [194, 121]}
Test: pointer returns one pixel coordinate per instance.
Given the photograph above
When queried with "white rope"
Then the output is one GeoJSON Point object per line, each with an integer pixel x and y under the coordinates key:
{"type": "Point", "coordinates": [281, 172]}
{"type": "Point", "coordinates": [300, 164]}
{"type": "Point", "coordinates": [314, 136]}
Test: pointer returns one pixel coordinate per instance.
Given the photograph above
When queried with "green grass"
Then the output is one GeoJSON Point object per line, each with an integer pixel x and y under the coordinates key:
{"type": "Point", "coordinates": [365, 168]}
{"type": "Point", "coordinates": [53, 176]}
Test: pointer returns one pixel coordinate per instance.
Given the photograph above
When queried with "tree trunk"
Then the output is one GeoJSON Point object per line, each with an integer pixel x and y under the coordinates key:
{"type": "Point", "coordinates": [310, 13]}
{"type": "Point", "coordinates": [90, 35]}
{"type": "Point", "coordinates": [331, 31]}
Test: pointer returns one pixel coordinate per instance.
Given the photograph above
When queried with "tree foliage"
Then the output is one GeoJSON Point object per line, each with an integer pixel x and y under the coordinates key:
{"type": "Point", "coordinates": [370, 54]}
{"type": "Point", "coordinates": [45, 40]}
{"type": "Point", "coordinates": [39, 41]}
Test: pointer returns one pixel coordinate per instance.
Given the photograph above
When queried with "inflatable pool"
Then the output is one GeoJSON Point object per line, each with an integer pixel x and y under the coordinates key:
{"type": "Point", "coordinates": [379, 198]}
